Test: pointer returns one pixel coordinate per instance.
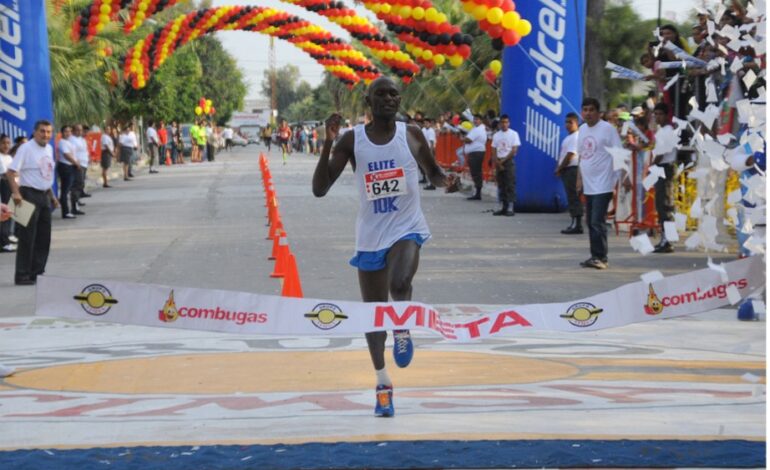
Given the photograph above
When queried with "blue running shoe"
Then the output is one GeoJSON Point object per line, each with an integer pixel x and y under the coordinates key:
{"type": "Point", "coordinates": [384, 406]}
{"type": "Point", "coordinates": [403, 349]}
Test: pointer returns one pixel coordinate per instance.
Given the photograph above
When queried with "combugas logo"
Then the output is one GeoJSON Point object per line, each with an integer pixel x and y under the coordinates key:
{"type": "Point", "coordinates": [654, 305]}
{"type": "Point", "coordinates": [326, 316]}
{"type": "Point", "coordinates": [582, 314]}
{"type": "Point", "coordinates": [169, 313]}
{"type": "Point", "coordinates": [96, 299]}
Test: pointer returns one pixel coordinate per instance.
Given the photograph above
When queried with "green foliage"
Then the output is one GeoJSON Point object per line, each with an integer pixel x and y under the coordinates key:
{"type": "Point", "coordinates": [288, 88]}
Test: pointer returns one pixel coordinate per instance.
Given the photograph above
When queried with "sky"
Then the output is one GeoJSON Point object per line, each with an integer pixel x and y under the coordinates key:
{"type": "Point", "coordinates": [251, 49]}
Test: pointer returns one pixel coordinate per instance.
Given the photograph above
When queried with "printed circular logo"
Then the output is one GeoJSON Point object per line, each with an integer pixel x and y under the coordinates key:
{"type": "Point", "coordinates": [588, 149]}
{"type": "Point", "coordinates": [582, 314]}
{"type": "Point", "coordinates": [96, 299]}
{"type": "Point", "coordinates": [326, 316]}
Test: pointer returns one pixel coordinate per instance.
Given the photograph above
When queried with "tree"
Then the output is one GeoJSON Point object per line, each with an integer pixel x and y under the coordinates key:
{"type": "Point", "coordinates": [289, 88]}
{"type": "Point", "coordinates": [221, 80]}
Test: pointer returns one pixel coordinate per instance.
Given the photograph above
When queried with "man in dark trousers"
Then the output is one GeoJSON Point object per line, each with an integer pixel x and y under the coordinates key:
{"type": "Point", "coordinates": [390, 227]}
{"type": "Point", "coordinates": [567, 170]}
{"type": "Point", "coordinates": [34, 166]}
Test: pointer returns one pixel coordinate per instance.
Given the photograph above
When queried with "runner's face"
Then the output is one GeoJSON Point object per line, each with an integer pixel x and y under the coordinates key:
{"type": "Point", "coordinates": [384, 99]}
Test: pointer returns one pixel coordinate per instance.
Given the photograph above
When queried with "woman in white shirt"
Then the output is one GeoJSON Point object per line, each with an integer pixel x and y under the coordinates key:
{"type": "Point", "coordinates": [108, 151]}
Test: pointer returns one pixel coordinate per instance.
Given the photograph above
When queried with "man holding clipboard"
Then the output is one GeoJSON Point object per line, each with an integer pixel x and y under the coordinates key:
{"type": "Point", "coordinates": [34, 166]}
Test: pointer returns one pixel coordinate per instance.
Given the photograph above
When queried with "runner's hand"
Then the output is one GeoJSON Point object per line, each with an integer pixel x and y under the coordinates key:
{"type": "Point", "coordinates": [333, 124]}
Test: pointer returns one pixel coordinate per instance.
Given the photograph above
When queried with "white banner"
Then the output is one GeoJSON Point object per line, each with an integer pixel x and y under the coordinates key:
{"type": "Point", "coordinates": [618, 71]}
{"type": "Point", "coordinates": [255, 314]}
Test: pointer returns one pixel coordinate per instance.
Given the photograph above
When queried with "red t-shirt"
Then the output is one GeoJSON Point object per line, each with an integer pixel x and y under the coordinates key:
{"type": "Point", "coordinates": [285, 132]}
{"type": "Point", "coordinates": [163, 136]}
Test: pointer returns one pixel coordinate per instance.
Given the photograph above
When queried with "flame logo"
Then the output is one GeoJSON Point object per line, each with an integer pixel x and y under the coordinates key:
{"type": "Point", "coordinates": [654, 305]}
{"type": "Point", "coordinates": [169, 312]}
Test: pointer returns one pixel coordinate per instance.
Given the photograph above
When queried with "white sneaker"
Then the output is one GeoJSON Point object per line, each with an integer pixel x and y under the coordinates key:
{"type": "Point", "coordinates": [13, 239]}
{"type": "Point", "coordinates": [8, 248]}
{"type": "Point", "coordinates": [5, 371]}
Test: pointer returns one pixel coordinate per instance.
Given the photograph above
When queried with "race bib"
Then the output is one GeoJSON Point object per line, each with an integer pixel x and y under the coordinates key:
{"type": "Point", "coordinates": [385, 183]}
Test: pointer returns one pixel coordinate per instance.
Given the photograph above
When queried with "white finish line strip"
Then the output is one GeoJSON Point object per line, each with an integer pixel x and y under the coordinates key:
{"type": "Point", "coordinates": [254, 314]}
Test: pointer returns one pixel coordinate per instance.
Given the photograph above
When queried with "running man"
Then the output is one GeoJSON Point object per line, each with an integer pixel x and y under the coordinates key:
{"type": "Point", "coordinates": [390, 227]}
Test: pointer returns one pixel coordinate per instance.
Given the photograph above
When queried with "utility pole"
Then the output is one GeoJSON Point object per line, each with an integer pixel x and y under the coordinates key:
{"type": "Point", "coordinates": [271, 64]}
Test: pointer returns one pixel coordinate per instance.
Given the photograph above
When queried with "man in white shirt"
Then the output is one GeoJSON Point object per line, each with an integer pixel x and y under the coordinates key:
{"type": "Point", "coordinates": [34, 166]}
{"type": "Point", "coordinates": [505, 145]}
{"type": "Point", "coordinates": [66, 167]}
{"type": "Point", "coordinates": [210, 141]}
{"type": "Point", "coordinates": [567, 170]}
{"type": "Point", "coordinates": [6, 242]}
{"type": "Point", "coordinates": [227, 134]}
{"type": "Point", "coordinates": [597, 178]}
{"type": "Point", "coordinates": [475, 148]}
{"type": "Point", "coordinates": [108, 153]}
{"type": "Point", "coordinates": [664, 187]}
{"type": "Point", "coordinates": [80, 149]}
{"type": "Point", "coordinates": [153, 142]}
{"type": "Point", "coordinates": [430, 135]}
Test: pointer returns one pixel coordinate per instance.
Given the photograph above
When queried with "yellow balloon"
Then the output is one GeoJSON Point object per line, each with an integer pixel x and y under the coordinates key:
{"type": "Point", "coordinates": [480, 12]}
{"type": "Point", "coordinates": [441, 18]}
{"type": "Point", "coordinates": [510, 19]}
{"type": "Point", "coordinates": [430, 14]}
{"type": "Point", "coordinates": [439, 59]}
{"type": "Point", "coordinates": [385, 8]}
{"type": "Point", "coordinates": [496, 66]}
{"type": "Point", "coordinates": [456, 60]}
{"type": "Point", "coordinates": [198, 110]}
{"type": "Point", "coordinates": [418, 13]}
{"type": "Point", "coordinates": [346, 20]}
{"type": "Point", "coordinates": [468, 7]}
{"type": "Point", "coordinates": [495, 15]}
{"type": "Point", "coordinates": [523, 27]}
{"type": "Point", "coordinates": [427, 55]}
{"type": "Point", "coordinates": [405, 12]}
{"type": "Point", "coordinates": [209, 103]}
{"type": "Point", "coordinates": [466, 125]}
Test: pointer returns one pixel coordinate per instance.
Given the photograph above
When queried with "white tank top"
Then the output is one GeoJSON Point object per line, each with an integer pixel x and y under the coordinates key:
{"type": "Point", "coordinates": [387, 178]}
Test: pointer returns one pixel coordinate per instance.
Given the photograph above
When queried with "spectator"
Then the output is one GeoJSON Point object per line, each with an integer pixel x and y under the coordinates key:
{"type": "Point", "coordinates": [127, 145]}
{"type": "Point", "coordinates": [80, 149]}
{"type": "Point", "coordinates": [6, 242]}
{"type": "Point", "coordinates": [195, 150]}
{"type": "Point", "coordinates": [597, 178]}
{"type": "Point", "coordinates": [505, 145]}
{"type": "Point", "coordinates": [430, 135]}
{"type": "Point", "coordinates": [108, 151]}
{"type": "Point", "coordinates": [67, 166]}
{"type": "Point", "coordinates": [567, 170]}
{"type": "Point", "coordinates": [228, 136]}
{"type": "Point", "coordinates": [476, 147]}
{"type": "Point", "coordinates": [210, 141]}
{"type": "Point", "coordinates": [163, 139]}
{"type": "Point", "coordinates": [34, 165]}
{"type": "Point", "coordinates": [153, 142]}
{"type": "Point", "coordinates": [664, 187]}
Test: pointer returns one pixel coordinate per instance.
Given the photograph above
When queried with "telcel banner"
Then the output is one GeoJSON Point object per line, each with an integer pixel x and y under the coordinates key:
{"type": "Point", "coordinates": [25, 69]}
{"type": "Point", "coordinates": [542, 82]}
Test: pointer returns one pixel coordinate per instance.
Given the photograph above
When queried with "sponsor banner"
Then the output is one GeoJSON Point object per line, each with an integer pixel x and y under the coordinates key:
{"type": "Point", "coordinates": [542, 82]}
{"type": "Point", "coordinates": [681, 54]}
{"type": "Point", "coordinates": [255, 314]}
{"type": "Point", "coordinates": [25, 69]}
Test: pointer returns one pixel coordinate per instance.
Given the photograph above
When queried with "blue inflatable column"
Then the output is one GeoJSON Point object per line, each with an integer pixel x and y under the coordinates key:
{"type": "Point", "coordinates": [542, 82]}
{"type": "Point", "coordinates": [25, 68]}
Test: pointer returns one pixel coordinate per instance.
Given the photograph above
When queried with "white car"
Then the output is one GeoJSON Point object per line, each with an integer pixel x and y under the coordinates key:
{"type": "Point", "coordinates": [238, 140]}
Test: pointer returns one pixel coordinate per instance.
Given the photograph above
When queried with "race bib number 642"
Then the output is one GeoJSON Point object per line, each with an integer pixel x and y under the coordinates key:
{"type": "Point", "coordinates": [385, 183]}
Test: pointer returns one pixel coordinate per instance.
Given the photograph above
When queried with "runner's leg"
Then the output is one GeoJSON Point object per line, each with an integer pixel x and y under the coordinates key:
{"type": "Point", "coordinates": [374, 288]}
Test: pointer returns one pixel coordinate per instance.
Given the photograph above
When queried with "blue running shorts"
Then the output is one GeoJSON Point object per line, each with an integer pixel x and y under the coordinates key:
{"type": "Point", "coordinates": [376, 260]}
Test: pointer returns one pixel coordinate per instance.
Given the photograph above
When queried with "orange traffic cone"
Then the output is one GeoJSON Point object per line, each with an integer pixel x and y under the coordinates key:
{"type": "Point", "coordinates": [279, 270]}
{"type": "Point", "coordinates": [292, 287]}
{"type": "Point", "coordinates": [274, 227]}
{"type": "Point", "coordinates": [168, 158]}
{"type": "Point", "coordinates": [279, 234]}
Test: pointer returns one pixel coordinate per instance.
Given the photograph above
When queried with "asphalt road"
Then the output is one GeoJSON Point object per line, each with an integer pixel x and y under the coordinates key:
{"type": "Point", "coordinates": [203, 225]}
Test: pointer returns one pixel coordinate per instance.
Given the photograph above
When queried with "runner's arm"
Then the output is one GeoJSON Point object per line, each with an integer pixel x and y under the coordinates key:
{"type": "Point", "coordinates": [421, 151]}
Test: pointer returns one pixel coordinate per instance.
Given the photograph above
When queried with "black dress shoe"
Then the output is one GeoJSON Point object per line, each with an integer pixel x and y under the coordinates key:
{"type": "Point", "coordinates": [572, 231]}
{"type": "Point", "coordinates": [85, 195]}
{"type": "Point", "coordinates": [476, 197]}
{"type": "Point", "coordinates": [25, 282]}
{"type": "Point", "coordinates": [78, 212]}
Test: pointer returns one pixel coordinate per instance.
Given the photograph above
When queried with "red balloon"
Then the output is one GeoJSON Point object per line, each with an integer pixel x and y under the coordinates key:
{"type": "Point", "coordinates": [508, 5]}
{"type": "Point", "coordinates": [464, 51]}
{"type": "Point", "coordinates": [451, 49]}
{"type": "Point", "coordinates": [495, 31]}
{"type": "Point", "coordinates": [445, 28]}
{"type": "Point", "coordinates": [511, 37]}
{"type": "Point", "coordinates": [490, 77]}
{"type": "Point", "coordinates": [484, 24]}
{"type": "Point", "coordinates": [495, 3]}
